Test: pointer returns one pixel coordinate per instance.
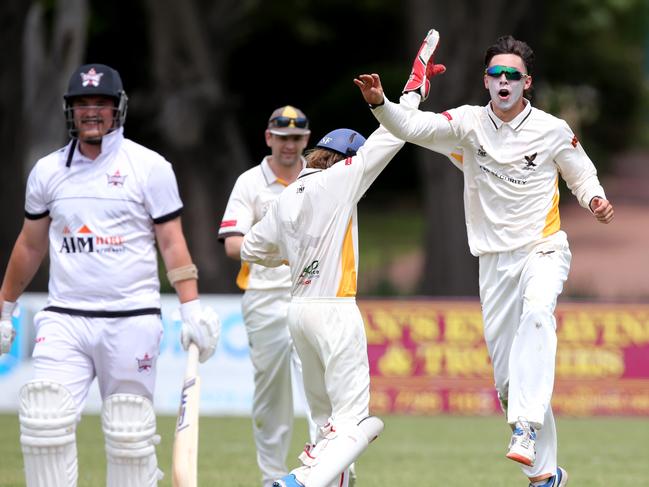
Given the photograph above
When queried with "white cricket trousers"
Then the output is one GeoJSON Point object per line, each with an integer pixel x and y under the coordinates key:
{"type": "Point", "coordinates": [518, 292]}
{"type": "Point", "coordinates": [275, 362]}
{"type": "Point", "coordinates": [121, 352]}
{"type": "Point", "coordinates": [329, 336]}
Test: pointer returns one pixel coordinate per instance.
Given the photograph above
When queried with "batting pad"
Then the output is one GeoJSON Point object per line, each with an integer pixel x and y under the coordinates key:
{"type": "Point", "coordinates": [129, 426]}
{"type": "Point", "coordinates": [48, 419]}
{"type": "Point", "coordinates": [341, 450]}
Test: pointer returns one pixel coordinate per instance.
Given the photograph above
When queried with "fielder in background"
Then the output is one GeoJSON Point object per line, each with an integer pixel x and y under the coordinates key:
{"type": "Point", "coordinates": [512, 155]}
{"type": "Point", "coordinates": [313, 227]}
{"type": "Point", "coordinates": [268, 291]}
{"type": "Point", "coordinates": [100, 204]}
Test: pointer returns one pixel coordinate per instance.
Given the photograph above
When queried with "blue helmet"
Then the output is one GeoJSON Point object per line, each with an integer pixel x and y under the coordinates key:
{"type": "Point", "coordinates": [343, 141]}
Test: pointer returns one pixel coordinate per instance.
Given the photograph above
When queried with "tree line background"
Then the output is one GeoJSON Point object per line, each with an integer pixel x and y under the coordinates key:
{"type": "Point", "coordinates": [203, 76]}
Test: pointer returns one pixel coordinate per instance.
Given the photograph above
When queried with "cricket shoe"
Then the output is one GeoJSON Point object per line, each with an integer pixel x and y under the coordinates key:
{"type": "Point", "coordinates": [522, 447]}
{"type": "Point", "coordinates": [287, 481]}
{"type": "Point", "coordinates": [558, 480]}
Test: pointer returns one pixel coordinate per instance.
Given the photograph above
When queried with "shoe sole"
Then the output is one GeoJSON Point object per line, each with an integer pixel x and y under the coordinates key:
{"type": "Point", "coordinates": [520, 459]}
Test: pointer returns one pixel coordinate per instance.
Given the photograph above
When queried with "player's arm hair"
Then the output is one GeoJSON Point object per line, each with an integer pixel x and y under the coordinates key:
{"type": "Point", "coordinates": [26, 257]}
{"type": "Point", "coordinates": [175, 254]}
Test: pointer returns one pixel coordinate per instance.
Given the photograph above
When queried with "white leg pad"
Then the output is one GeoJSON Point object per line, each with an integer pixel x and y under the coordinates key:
{"type": "Point", "coordinates": [129, 427]}
{"type": "Point", "coordinates": [48, 419]}
{"type": "Point", "coordinates": [343, 447]}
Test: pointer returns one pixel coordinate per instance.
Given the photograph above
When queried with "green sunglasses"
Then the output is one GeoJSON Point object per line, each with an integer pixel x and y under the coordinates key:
{"type": "Point", "coordinates": [512, 74]}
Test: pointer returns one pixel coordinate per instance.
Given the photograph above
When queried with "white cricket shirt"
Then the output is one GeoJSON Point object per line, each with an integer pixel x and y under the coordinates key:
{"type": "Point", "coordinates": [249, 200]}
{"type": "Point", "coordinates": [101, 236]}
{"type": "Point", "coordinates": [313, 224]}
{"type": "Point", "coordinates": [511, 169]}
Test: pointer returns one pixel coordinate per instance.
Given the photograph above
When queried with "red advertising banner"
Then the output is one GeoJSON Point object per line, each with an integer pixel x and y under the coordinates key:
{"type": "Point", "coordinates": [429, 357]}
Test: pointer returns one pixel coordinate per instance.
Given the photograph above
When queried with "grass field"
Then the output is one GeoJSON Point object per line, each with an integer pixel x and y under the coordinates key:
{"type": "Point", "coordinates": [413, 451]}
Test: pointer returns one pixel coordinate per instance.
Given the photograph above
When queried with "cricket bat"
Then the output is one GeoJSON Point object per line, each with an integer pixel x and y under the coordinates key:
{"type": "Point", "coordinates": [185, 453]}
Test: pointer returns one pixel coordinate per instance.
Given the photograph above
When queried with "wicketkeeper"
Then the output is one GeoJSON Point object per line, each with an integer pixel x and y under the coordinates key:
{"type": "Point", "coordinates": [512, 155]}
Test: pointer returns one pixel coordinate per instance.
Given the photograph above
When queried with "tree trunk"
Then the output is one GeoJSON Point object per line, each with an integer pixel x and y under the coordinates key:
{"type": "Point", "coordinates": [466, 30]}
{"type": "Point", "coordinates": [196, 121]}
{"type": "Point", "coordinates": [12, 21]}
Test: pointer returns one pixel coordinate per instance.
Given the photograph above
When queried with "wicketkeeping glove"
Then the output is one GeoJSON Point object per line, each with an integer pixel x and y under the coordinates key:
{"type": "Point", "coordinates": [7, 332]}
{"type": "Point", "coordinates": [423, 67]}
{"type": "Point", "coordinates": [201, 326]}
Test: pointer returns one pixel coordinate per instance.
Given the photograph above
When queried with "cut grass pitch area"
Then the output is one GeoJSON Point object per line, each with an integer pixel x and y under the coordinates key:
{"type": "Point", "coordinates": [417, 451]}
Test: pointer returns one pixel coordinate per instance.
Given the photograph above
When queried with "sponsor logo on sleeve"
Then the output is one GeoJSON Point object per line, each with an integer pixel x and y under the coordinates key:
{"type": "Point", "coordinates": [574, 141]}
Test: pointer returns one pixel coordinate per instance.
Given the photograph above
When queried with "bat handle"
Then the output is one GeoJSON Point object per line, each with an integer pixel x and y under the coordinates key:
{"type": "Point", "coordinates": [192, 360]}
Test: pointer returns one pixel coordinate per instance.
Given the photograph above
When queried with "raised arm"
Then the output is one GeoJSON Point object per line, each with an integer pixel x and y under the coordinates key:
{"type": "Point", "coordinates": [404, 120]}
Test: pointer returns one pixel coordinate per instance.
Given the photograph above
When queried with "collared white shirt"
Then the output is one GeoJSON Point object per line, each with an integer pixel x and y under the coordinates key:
{"type": "Point", "coordinates": [101, 236]}
{"type": "Point", "coordinates": [511, 169]}
{"type": "Point", "coordinates": [249, 200]}
{"type": "Point", "coordinates": [313, 224]}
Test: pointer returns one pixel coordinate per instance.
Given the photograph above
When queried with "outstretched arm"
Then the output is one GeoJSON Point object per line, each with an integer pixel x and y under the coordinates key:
{"type": "Point", "coordinates": [371, 89]}
{"type": "Point", "coordinates": [427, 129]}
{"type": "Point", "coordinates": [423, 69]}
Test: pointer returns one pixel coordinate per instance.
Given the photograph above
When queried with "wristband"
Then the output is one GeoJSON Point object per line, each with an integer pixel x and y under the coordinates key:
{"type": "Point", "coordinates": [182, 273]}
{"type": "Point", "coordinates": [378, 104]}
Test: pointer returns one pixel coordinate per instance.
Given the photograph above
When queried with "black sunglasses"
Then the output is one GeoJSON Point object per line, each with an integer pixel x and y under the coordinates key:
{"type": "Point", "coordinates": [298, 122]}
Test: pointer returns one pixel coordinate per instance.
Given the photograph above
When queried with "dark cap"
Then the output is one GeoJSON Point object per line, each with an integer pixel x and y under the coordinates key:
{"type": "Point", "coordinates": [95, 80]}
{"type": "Point", "coordinates": [288, 120]}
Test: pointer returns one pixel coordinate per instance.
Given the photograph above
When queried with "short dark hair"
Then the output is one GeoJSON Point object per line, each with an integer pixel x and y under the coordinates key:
{"type": "Point", "coordinates": [508, 45]}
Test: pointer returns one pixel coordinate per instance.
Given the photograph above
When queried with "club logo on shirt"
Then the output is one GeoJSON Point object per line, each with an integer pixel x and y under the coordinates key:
{"type": "Point", "coordinates": [145, 363]}
{"type": "Point", "coordinates": [309, 273]}
{"type": "Point", "coordinates": [91, 78]}
{"type": "Point", "coordinates": [300, 188]}
{"type": "Point", "coordinates": [84, 241]}
{"type": "Point", "coordinates": [530, 165]}
{"type": "Point", "coordinates": [116, 179]}
{"type": "Point", "coordinates": [482, 152]}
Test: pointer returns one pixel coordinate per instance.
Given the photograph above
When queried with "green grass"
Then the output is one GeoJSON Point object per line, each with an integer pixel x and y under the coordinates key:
{"type": "Point", "coordinates": [418, 451]}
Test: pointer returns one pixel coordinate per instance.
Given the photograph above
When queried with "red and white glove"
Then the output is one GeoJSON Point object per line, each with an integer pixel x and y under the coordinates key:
{"type": "Point", "coordinates": [7, 332]}
{"type": "Point", "coordinates": [423, 67]}
{"type": "Point", "coordinates": [201, 326]}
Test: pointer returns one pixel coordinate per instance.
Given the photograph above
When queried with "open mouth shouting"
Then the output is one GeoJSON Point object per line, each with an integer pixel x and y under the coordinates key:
{"type": "Point", "coordinates": [504, 93]}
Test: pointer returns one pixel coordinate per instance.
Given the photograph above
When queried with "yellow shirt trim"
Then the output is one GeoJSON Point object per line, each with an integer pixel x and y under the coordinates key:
{"type": "Point", "coordinates": [243, 277]}
{"type": "Point", "coordinates": [347, 287]}
{"type": "Point", "coordinates": [552, 219]}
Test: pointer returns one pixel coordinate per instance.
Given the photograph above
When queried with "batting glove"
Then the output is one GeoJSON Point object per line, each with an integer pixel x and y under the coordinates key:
{"type": "Point", "coordinates": [7, 332]}
{"type": "Point", "coordinates": [423, 67]}
{"type": "Point", "coordinates": [200, 326]}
